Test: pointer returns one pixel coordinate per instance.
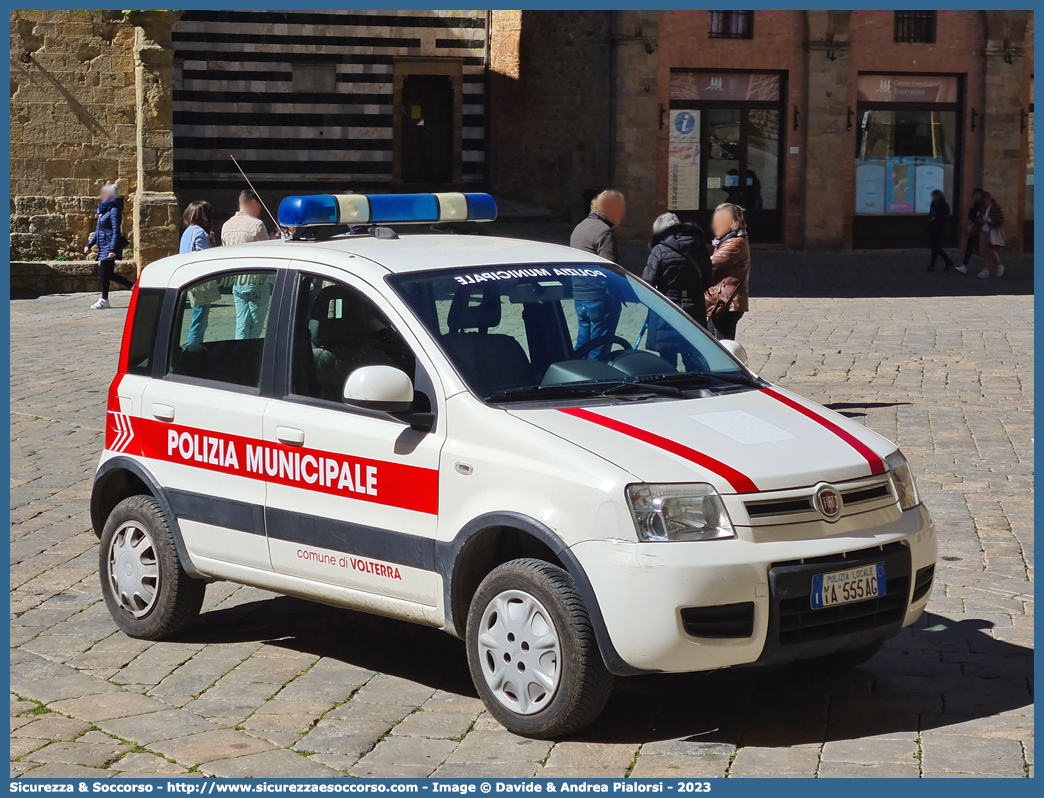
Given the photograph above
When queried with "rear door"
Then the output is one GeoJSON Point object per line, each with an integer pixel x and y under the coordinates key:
{"type": "Point", "coordinates": [352, 494]}
{"type": "Point", "coordinates": [203, 416]}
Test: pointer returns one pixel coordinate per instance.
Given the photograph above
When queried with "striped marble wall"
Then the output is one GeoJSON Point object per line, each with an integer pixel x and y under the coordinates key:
{"type": "Point", "coordinates": [305, 98]}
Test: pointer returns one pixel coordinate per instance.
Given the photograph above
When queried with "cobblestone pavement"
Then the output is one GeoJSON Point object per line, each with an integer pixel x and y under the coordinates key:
{"type": "Point", "coordinates": [272, 686]}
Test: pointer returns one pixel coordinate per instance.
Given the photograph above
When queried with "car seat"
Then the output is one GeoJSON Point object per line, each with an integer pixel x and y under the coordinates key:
{"type": "Point", "coordinates": [489, 362]}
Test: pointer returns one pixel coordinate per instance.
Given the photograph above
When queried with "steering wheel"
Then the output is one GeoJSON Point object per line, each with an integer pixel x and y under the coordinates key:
{"type": "Point", "coordinates": [582, 351]}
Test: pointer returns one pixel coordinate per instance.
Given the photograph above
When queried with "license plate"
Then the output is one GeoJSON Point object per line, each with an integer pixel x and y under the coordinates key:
{"type": "Point", "coordinates": [843, 587]}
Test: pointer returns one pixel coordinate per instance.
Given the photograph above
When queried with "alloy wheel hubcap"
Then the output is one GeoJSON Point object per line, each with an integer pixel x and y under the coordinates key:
{"type": "Point", "coordinates": [520, 652]}
{"type": "Point", "coordinates": [133, 569]}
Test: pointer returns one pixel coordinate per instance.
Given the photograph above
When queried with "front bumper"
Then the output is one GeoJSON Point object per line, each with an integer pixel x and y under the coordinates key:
{"type": "Point", "coordinates": [642, 588]}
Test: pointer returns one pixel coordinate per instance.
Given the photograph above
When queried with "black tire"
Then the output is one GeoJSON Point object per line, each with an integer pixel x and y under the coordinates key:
{"type": "Point", "coordinates": [177, 598]}
{"type": "Point", "coordinates": [584, 684]}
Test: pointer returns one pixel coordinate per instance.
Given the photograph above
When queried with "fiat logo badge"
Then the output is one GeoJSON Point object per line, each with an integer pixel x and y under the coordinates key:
{"type": "Point", "coordinates": [828, 502]}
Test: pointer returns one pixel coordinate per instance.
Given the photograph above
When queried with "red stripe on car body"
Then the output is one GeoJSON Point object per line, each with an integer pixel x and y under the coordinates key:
{"type": "Point", "coordinates": [877, 465]}
{"type": "Point", "coordinates": [739, 481]}
{"type": "Point", "coordinates": [348, 476]}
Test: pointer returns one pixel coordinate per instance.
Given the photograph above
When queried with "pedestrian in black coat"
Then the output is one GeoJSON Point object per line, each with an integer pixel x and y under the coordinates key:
{"type": "Point", "coordinates": [679, 267]}
{"type": "Point", "coordinates": [938, 219]}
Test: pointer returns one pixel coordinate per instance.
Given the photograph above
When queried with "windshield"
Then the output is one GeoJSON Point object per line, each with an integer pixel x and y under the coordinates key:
{"type": "Point", "coordinates": [564, 331]}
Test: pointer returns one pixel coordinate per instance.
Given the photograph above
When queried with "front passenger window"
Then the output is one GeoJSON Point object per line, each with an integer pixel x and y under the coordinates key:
{"type": "Point", "coordinates": [336, 331]}
{"type": "Point", "coordinates": [219, 328]}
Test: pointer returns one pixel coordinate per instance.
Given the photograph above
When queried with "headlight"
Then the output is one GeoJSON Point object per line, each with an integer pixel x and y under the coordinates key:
{"type": "Point", "coordinates": [679, 512]}
{"type": "Point", "coordinates": [902, 479]}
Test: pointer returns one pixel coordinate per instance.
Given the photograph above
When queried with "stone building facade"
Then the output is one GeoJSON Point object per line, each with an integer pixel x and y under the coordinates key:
{"type": "Point", "coordinates": [90, 104]}
{"type": "Point", "coordinates": [831, 127]}
{"type": "Point", "coordinates": [306, 101]}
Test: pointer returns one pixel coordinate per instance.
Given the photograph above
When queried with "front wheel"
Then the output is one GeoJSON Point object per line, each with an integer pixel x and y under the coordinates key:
{"type": "Point", "coordinates": [532, 651]}
{"type": "Point", "coordinates": [147, 592]}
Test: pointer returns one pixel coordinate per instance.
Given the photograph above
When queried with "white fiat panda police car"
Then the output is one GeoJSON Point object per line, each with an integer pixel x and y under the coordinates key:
{"type": "Point", "coordinates": [434, 428]}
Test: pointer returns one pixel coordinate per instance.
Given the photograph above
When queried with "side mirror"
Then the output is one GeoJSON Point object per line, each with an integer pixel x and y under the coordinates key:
{"type": "Point", "coordinates": [736, 349]}
{"type": "Point", "coordinates": [383, 388]}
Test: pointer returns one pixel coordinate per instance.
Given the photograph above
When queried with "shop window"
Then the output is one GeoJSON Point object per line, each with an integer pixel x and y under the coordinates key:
{"type": "Point", "coordinates": [902, 157]}
{"type": "Point", "coordinates": [915, 27]}
{"type": "Point", "coordinates": [906, 142]}
{"type": "Point", "coordinates": [730, 25]}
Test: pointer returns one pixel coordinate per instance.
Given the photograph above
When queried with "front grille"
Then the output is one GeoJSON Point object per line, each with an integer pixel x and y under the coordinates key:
{"type": "Point", "coordinates": [923, 582]}
{"type": "Point", "coordinates": [861, 497]}
{"type": "Point", "coordinates": [765, 509]}
{"type": "Point", "coordinates": [799, 623]}
{"type": "Point", "coordinates": [796, 622]}
{"type": "Point", "coordinates": [866, 494]}
{"type": "Point", "coordinates": [723, 621]}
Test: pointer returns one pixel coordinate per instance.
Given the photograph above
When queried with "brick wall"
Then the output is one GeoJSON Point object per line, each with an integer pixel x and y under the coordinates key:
{"type": "Point", "coordinates": [72, 125]}
{"type": "Point", "coordinates": [549, 106]}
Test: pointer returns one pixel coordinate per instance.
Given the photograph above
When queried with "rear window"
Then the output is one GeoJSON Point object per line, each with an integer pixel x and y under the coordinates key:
{"type": "Point", "coordinates": [143, 331]}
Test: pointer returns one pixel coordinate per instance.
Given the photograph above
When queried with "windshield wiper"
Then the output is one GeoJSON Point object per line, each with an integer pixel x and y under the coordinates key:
{"type": "Point", "coordinates": [666, 379]}
{"type": "Point", "coordinates": [540, 392]}
{"type": "Point", "coordinates": [643, 387]}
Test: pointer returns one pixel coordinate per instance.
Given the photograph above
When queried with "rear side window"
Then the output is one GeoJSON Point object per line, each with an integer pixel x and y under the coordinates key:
{"type": "Point", "coordinates": [143, 331]}
{"type": "Point", "coordinates": [220, 325]}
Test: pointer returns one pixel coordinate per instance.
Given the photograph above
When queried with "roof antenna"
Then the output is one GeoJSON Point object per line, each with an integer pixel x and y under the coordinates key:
{"type": "Point", "coordinates": [283, 234]}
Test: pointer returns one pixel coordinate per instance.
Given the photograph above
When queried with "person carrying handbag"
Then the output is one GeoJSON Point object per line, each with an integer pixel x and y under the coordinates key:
{"type": "Point", "coordinates": [198, 236]}
{"type": "Point", "coordinates": [728, 298]}
{"type": "Point", "coordinates": [991, 239]}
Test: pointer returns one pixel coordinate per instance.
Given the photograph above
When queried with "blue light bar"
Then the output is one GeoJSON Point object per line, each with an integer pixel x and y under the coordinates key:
{"type": "Point", "coordinates": [386, 209]}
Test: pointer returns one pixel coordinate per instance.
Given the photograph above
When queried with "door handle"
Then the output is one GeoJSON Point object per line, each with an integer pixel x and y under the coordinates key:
{"type": "Point", "coordinates": [290, 436]}
{"type": "Point", "coordinates": [163, 412]}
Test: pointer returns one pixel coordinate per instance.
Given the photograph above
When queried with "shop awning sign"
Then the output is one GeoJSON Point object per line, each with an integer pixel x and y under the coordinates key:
{"type": "Point", "coordinates": [907, 88]}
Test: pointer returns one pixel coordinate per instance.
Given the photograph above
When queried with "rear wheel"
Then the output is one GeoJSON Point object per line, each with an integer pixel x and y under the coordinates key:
{"type": "Point", "coordinates": [532, 651]}
{"type": "Point", "coordinates": [147, 592]}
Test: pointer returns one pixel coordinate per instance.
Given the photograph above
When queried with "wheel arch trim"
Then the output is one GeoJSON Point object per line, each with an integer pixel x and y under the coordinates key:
{"type": "Point", "coordinates": [105, 472]}
{"type": "Point", "coordinates": [447, 557]}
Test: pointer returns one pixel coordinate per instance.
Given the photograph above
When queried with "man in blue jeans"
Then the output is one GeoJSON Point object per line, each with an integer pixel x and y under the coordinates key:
{"type": "Point", "coordinates": [597, 313]}
{"type": "Point", "coordinates": [252, 294]}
